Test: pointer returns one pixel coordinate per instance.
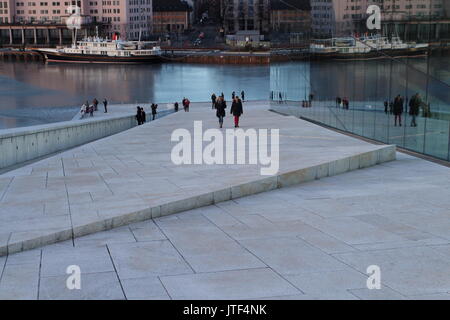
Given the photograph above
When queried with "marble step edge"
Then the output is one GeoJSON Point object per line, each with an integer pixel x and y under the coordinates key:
{"type": "Point", "coordinates": [34, 239]}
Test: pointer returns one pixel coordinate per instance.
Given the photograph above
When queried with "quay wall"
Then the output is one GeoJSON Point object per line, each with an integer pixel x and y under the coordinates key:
{"type": "Point", "coordinates": [20, 145]}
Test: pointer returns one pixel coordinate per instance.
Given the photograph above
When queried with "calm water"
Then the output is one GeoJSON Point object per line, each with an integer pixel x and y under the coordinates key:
{"type": "Point", "coordinates": [35, 93]}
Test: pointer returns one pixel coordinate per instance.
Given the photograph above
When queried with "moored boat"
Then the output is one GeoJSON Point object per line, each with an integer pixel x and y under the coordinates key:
{"type": "Point", "coordinates": [98, 50]}
{"type": "Point", "coordinates": [372, 47]}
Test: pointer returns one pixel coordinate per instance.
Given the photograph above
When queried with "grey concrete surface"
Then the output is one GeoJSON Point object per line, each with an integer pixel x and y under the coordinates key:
{"type": "Point", "coordinates": [129, 177]}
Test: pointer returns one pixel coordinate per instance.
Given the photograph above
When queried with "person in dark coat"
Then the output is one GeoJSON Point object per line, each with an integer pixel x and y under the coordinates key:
{"type": "Point", "coordinates": [154, 111]}
{"type": "Point", "coordinates": [237, 111]}
{"type": "Point", "coordinates": [414, 108]}
{"type": "Point", "coordinates": [138, 115]}
{"type": "Point", "coordinates": [220, 106]}
{"type": "Point", "coordinates": [105, 105]}
{"type": "Point", "coordinates": [176, 106]}
{"type": "Point", "coordinates": [398, 110]}
{"type": "Point", "coordinates": [213, 100]}
{"type": "Point", "coordinates": [143, 116]}
{"type": "Point", "coordinates": [243, 95]}
{"type": "Point", "coordinates": [233, 95]}
{"type": "Point", "coordinates": [386, 105]}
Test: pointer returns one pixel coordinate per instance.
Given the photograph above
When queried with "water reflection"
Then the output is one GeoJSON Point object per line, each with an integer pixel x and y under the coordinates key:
{"type": "Point", "coordinates": [25, 87]}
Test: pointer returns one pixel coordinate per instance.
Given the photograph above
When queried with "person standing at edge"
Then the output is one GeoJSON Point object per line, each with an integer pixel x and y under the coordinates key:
{"type": "Point", "coordinates": [105, 105]}
{"type": "Point", "coordinates": [154, 112]}
{"type": "Point", "coordinates": [414, 106]}
{"type": "Point", "coordinates": [220, 106]}
{"type": "Point", "coordinates": [237, 111]}
{"type": "Point", "coordinates": [138, 115]}
{"type": "Point", "coordinates": [243, 95]}
{"type": "Point", "coordinates": [213, 100]}
{"type": "Point", "coordinates": [233, 95]}
{"type": "Point", "coordinates": [398, 110]}
{"type": "Point", "coordinates": [175, 106]}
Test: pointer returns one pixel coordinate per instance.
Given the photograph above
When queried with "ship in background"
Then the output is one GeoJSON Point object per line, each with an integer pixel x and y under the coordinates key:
{"type": "Point", "coordinates": [364, 48]}
{"type": "Point", "coordinates": [99, 50]}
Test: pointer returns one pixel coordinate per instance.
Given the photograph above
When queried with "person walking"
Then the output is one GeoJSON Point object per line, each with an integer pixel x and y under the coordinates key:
{"type": "Point", "coordinates": [414, 108]}
{"type": "Point", "coordinates": [91, 110]}
{"type": "Point", "coordinates": [154, 110]}
{"type": "Point", "coordinates": [213, 100]}
{"type": "Point", "coordinates": [280, 96]}
{"type": "Point", "coordinates": [233, 95]}
{"type": "Point", "coordinates": [237, 111]}
{"type": "Point", "coordinates": [186, 104]}
{"type": "Point", "coordinates": [338, 102]}
{"type": "Point", "coordinates": [243, 95]}
{"type": "Point", "coordinates": [386, 105]}
{"type": "Point", "coordinates": [175, 106]}
{"type": "Point", "coordinates": [95, 103]}
{"type": "Point", "coordinates": [138, 115]}
{"type": "Point", "coordinates": [105, 105]}
{"type": "Point", "coordinates": [398, 110]}
{"type": "Point", "coordinates": [220, 106]}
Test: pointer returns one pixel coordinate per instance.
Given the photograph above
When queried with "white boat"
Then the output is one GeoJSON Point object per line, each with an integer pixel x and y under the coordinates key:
{"type": "Point", "coordinates": [98, 50]}
{"type": "Point", "coordinates": [369, 47]}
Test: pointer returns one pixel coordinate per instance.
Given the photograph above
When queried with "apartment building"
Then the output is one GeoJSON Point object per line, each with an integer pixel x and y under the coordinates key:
{"type": "Point", "coordinates": [290, 16]}
{"type": "Point", "coordinates": [171, 16]}
{"type": "Point", "coordinates": [128, 19]}
{"type": "Point", "coordinates": [341, 17]}
{"type": "Point", "coordinates": [242, 15]}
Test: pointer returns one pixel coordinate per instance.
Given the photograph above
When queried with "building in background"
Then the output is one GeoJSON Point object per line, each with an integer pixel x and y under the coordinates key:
{"type": "Point", "coordinates": [210, 8]}
{"type": "Point", "coordinates": [410, 19]}
{"type": "Point", "coordinates": [242, 15]}
{"type": "Point", "coordinates": [290, 16]}
{"type": "Point", "coordinates": [171, 16]}
{"type": "Point", "coordinates": [128, 19]}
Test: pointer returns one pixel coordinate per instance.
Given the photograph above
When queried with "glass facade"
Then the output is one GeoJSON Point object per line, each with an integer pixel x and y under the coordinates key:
{"type": "Point", "coordinates": [389, 83]}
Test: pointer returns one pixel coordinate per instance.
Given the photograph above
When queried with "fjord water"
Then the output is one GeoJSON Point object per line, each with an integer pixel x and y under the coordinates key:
{"type": "Point", "coordinates": [37, 93]}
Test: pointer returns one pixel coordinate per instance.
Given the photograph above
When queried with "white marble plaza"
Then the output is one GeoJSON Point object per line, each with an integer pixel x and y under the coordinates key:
{"type": "Point", "coordinates": [129, 177]}
{"type": "Point", "coordinates": [309, 240]}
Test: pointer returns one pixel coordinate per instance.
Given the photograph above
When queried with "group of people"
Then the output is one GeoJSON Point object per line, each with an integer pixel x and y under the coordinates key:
{"type": "Point", "coordinates": [141, 116]}
{"type": "Point", "coordinates": [87, 108]}
{"type": "Point", "coordinates": [214, 98]}
{"type": "Point", "coordinates": [398, 106]}
{"type": "Point", "coordinates": [343, 103]}
{"type": "Point", "coordinates": [220, 105]}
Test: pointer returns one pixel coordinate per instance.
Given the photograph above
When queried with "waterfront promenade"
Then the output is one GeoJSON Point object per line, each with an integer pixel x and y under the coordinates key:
{"type": "Point", "coordinates": [310, 240]}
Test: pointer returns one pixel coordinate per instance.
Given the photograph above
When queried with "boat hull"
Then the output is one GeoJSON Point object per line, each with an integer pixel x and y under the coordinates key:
{"type": "Point", "coordinates": [86, 58]}
{"type": "Point", "coordinates": [372, 55]}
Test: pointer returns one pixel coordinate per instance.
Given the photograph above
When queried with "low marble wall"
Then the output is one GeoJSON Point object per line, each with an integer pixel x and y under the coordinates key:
{"type": "Point", "coordinates": [20, 145]}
